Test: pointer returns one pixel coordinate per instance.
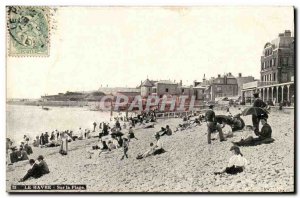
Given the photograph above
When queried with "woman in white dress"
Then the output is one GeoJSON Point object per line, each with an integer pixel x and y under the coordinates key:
{"type": "Point", "coordinates": [64, 144]}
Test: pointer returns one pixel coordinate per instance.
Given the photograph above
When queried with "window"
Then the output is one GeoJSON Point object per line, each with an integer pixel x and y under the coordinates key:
{"type": "Point", "coordinates": [271, 64]}
{"type": "Point", "coordinates": [274, 76]}
{"type": "Point", "coordinates": [219, 88]}
{"type": "Point", "coordinates": [182, 90]}
{"type": "Point", "coordinates": [167, 90]}
{"type": "Point", "coordinates": [285, 61]}
{"type": "Point", "coordinates": [270, 77]}
{"type": "Point", "coordinates": [274, 61]}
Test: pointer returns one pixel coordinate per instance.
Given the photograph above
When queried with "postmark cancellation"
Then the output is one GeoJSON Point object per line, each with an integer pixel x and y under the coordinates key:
{"type": "Point", "coordinates": [28, 30]}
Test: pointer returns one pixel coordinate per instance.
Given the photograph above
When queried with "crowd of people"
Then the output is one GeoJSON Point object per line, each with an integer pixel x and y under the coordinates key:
{"type": "Point", "coordinates": [120, 135]}
{"type": "Point", "coordinates": [237, 162]}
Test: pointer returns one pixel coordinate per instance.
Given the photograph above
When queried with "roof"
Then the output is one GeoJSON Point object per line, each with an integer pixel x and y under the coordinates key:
{"type": "Point", "coordinates": [147, 83]}
{"type": "Point", "coordinates": [114, 90]}
{"type": "Point", "coordinates": [200, 87]}
{"type": "Point", "coordinates": [166, 82]}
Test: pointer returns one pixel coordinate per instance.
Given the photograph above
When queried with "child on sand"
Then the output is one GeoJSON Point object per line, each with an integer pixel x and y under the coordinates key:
{"type": "Point", "coordinates": [236, 163]}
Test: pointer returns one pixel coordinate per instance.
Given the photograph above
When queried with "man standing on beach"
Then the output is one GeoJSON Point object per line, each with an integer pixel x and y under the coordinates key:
{"type": "Point", "coordinates": [256, 119]}
{"type": "Point", "coordinates": [125, 147]}
{"type": "Point", "coordinates": [94, 124]}
{"type": "Point", "coordinates": [212, 125]}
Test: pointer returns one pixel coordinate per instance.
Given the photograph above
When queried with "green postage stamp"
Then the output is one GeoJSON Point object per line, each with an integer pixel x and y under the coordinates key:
{"type": "Point", "coordinates": [28, 31]}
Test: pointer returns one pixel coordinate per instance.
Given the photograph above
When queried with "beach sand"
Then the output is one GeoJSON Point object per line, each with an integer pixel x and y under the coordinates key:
{"type": "Point", "coordinates": [187, 166]}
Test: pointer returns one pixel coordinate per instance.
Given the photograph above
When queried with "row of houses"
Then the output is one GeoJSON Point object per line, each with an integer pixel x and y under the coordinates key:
{"type": "Point", "coordinates": [225, 85]}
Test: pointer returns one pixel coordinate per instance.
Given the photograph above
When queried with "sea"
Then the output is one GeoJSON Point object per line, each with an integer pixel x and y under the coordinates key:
{"type": "Point", "coordinates": [33, 120]}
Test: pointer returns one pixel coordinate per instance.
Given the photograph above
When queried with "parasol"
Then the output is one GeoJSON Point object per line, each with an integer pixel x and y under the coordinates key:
{"type": "Point", "coordinates": [257, 111]}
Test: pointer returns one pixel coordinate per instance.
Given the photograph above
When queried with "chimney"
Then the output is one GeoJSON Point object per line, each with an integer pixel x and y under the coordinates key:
{"type": "Point", "coordinates": [229, 73]}
{"type": "Point", "coordinates": [219, 75]}
{"type": "Point", "coordinates": [287, 33]}
{"type": "Point", "coordinates": [180, 83]}
{"type": "Point", "coordinates": [281, 35]}
{"type": "Point", "coordinates": [240, 75]}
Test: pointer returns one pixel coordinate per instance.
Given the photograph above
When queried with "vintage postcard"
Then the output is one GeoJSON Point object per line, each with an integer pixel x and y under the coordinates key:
{"type": "Point", "coordinates": [150, 99]}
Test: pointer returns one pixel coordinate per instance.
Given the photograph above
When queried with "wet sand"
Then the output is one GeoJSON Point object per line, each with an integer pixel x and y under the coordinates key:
{"type": "Point", "coordinates": [187, 166]}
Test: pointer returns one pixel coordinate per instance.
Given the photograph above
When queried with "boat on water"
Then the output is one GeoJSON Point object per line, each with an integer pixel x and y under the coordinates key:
{"type": "Point", "coordinates": [45, 108]}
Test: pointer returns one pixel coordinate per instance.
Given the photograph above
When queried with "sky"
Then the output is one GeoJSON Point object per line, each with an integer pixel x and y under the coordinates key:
{"type": "Point", "coordinates": [122, 46]}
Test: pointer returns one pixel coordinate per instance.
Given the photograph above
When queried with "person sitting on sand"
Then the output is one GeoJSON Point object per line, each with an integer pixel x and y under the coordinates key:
{"type": "Point", "coordinates": [22, 154]}
{"type": "Point", "coordinates": [34, 171]}
{"type": "Point", "coordinates": [148, 126]}
{"type": "Point", "coordinates": [167, 131]}
{"type": "Point", "coordinates": [158, 149]}
{"type": "Point", "coordinates": [111, 145]}
{"type": "Point", "coordinates": [35, 143]}
{"type": "Point", "coordinates": [184, 126]}
{"type": "Point", "coordinates": [162, 131]}
{"type": "Point", "coordinates": [43, 165]}
{"type": "Point", "coordinates": [28, 149]}
{"type": "Point", "coordinates": [196, 122]}
{"type": "Point", "coordinates": [264, 136]}
{"type": "Point", "coordinates": [131, 133]}
{"type": "Point", "coordinates": [104, 146]}
{"type": "Point", "coordinates": [52, 143]}
{"type": "Point", "coordinates": [149, 152]}
{"type": "Point", "coordinates": [237, 123]}
{"type": "Point", "coordinates": [227, 130]}
{"type": "Point", "coordinates": [236, 163]}
{"type": "Point", "coordinates": [14, 155]}
{"type": "Point", "coordinates": [115, 142]}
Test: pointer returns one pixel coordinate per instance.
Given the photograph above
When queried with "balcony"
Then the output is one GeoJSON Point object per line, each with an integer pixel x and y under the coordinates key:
{"type": "Point", "coordinates": [255, 84]}
{"type": "Point", "coordinates": [266, 83]}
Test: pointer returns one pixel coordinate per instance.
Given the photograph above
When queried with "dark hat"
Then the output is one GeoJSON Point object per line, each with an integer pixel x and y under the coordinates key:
{"type": "Point", "coordinates": [40, 157]}
{"type": "Point", "coordinates": [255, 94]}
{"type": "Point", "coordinates": [211, 106]}
{"type": "Point", "coordinates": [234, 148]}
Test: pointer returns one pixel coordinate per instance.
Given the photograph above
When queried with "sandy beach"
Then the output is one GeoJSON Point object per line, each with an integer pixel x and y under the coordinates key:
{"type": "Point", "coordinates": [187, 166]}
